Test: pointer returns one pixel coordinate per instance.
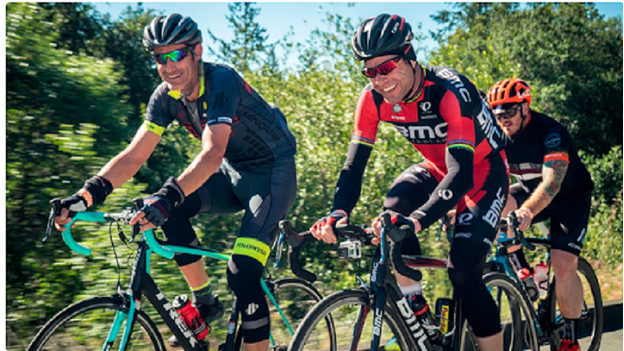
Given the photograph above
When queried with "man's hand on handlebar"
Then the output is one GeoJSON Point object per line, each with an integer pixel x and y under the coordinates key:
{"type": "Point", "coordinates": [407, 225]}
{"type": "Point", "coordinates": [69, 206]}
{"type": "Point", "coordinates": [323, 229]}
{"type": "Point", "coordinates": [525, 217]}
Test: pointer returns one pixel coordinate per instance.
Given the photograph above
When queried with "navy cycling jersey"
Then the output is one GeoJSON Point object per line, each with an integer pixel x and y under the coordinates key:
{"type": "Point", "coordinates": [448, 123]}
{"type": "Point", "coordinates": [542, 140]}
{"type": "Point", "coordinates": [259, 134]}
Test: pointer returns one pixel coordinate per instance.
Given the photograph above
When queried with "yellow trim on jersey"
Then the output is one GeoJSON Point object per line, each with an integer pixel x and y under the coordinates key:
{"type": "Point", "coordinates": [154, 128]}
{"type": "Point", "coordinates": [253, 248]}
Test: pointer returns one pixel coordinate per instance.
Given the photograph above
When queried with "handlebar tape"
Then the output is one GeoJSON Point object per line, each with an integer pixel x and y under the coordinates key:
{"type": "Point", "coordinates": [397, 236]}
{"type": "Point", "coordinates": [295, 243]}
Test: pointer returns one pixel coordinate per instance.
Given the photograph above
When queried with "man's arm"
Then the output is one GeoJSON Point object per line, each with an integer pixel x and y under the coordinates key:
{"type": "Point", "coordinates": [128, 162]}
{"type": "Point", "coordinates": [553, 173]}
{"type": "Point", "coordinates": [214, 143]}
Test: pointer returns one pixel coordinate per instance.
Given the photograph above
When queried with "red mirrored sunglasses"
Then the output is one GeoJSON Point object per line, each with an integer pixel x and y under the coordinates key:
{"type": "Point", "coordinates": [383, 68]}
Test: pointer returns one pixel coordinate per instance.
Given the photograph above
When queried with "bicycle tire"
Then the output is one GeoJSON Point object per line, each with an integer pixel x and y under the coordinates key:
{"type": "Point", "coordinates": [354, 302]}
{"type": "Point", "coordinates": [85, 324]}
{"type": "Point", "coordinates": [591, 319]}
{"type": "Point", "coordinates": [518, 325]}
{"type": "Point", "coordinates": [295, 297]}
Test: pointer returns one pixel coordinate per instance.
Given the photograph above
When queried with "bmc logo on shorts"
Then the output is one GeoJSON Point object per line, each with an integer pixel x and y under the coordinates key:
{"type": "Point", "coordinates": [492, 216]}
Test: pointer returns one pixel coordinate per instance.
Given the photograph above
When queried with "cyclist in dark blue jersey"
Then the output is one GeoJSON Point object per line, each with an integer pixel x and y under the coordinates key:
{"type": "Point", "coordinates": [246, 163]}
{"type": "Point", "coordinates": [443, 116]}
{"type": "Point", "coordinates": [552, 183]}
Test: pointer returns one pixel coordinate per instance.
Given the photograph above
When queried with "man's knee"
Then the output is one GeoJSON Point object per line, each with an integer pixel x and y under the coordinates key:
{"type": "Point", "coordinates": [564, 264]}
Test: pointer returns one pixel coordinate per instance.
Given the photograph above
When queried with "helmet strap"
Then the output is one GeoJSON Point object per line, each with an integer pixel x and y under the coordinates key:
{"type": "Point", "coordinates": [415, 91]}
{"type": "Point", "coordinates": [523, 117]}
{"type": "Point", "coordinates": [184, 95]}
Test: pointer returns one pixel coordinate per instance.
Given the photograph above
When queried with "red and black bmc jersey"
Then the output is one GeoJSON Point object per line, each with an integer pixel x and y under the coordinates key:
{"type": "Point", "coordinates": [449, 124]}
{"type": "Point", "coordinates": [449, 113]}
{"type": "Point", "coordinates": [542, 140]}
{"type": "Point", "coordinates": [259, 135]}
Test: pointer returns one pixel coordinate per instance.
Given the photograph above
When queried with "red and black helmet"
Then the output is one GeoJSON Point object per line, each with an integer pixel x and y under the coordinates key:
{"type": "Point", "coordinates": [383, 35]}
{"type": "Point", "coordinates": [509, 91]}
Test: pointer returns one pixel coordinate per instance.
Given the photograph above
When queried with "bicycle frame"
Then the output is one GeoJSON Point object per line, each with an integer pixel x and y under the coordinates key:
{"type": "Point", "coordinates": [141, 283]}
{"type": "Point", "coordinates": [385, 289]}
{"type": "Point", "coordinates": [501, 258]}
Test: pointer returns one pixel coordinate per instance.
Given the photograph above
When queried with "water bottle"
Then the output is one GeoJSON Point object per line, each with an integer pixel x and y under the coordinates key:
{"type": "Point", "coordinates": [541, 279]}
{"type": "Point", "coordinates": [524, 274]}
{"type": "Point", "coordinates": [190, 316]}
{"type": "Point", "coordinates": [423, 314]}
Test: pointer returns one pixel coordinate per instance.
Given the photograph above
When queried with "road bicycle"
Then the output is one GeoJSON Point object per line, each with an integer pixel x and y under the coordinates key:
{"type": "Point", "coordinates": [545, 311]}
{"type": "Point", "coordinates": [119, 321]}
{"type": "Point", "coordinates": [392, 324]}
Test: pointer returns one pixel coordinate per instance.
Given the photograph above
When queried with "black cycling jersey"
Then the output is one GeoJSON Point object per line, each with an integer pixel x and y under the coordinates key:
{"type": "Point", "coordinates": [541, 140]}
{"type": "Point", "coordinates": [259, 131]}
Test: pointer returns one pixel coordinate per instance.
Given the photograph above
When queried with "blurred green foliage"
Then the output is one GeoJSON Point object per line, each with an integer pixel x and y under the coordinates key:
{"type": "Point", "coordinates": [77, 85]}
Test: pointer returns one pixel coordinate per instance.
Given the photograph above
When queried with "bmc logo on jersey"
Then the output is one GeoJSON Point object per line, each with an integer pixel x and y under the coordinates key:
{"type": "Point", "coordinates": [457, 83]}
{"type": "Point", "coordinates": [424, 134]}
{"type": "Point", "coordinates": [491, 130]}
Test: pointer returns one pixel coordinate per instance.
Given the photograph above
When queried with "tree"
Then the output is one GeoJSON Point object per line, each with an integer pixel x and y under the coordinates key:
{"type": "Point", "coordinates": [250, 43]}
{"type": "Point", "coordinates": [570, 54]}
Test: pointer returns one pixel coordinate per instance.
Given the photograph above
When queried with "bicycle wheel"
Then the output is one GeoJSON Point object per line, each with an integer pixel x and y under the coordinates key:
{"type": "Point", "coordinates": [590, 328]}
{"type": "Point", "coordinates": [354, 324]}
{"type": "Point", "coordinates": [518, 325]}
{"type": "Point", "coordinates": [295, 297]}
{"type": "Point", "coordinates": [84, 325]}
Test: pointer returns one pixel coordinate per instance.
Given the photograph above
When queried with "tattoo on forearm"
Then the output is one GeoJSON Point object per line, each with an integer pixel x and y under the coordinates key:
{"type": "Point", "coordinates": [553, 174]}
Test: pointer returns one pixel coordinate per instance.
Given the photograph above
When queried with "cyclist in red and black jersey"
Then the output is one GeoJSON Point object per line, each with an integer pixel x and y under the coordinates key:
{"type": "Point", "coordinates": [246, 163]}
{"type": "Point", "coordinates": [443, 116]}
{"type": "Point", "coordinates": [552, 184]}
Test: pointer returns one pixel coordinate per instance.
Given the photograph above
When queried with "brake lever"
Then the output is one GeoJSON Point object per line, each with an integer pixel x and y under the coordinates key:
{"type": "Point", "coordinates": [136, 229]}
{"type": "Point", "coordinates": [55, 207]}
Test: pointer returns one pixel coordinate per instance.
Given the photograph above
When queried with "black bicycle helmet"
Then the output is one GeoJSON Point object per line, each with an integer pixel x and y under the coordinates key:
{"type": "Point", "coordinates": [171, 30]}
{"type": "Point", "coordinates": [383, 35]}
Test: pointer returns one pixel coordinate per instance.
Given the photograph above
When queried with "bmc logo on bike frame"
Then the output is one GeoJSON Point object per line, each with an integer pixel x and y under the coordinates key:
{"type": "Point", "coordinates": [188, 334]}
{"type": "Point", "coordinates": [410, 318]}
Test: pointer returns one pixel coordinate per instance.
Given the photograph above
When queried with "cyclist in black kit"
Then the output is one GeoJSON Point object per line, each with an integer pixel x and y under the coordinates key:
{"type": "Point", "coordinates": [246, 163]}
{"type": "Point", "coordinates": [552, 184]}
{"type": "Point", "coordinates": [443, 116]}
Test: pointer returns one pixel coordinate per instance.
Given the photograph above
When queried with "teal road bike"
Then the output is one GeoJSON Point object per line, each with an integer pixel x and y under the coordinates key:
{"type": "Point", "coordinates": [120, 322]}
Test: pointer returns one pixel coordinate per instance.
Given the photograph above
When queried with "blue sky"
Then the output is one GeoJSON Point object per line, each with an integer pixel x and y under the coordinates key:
{"type": "Point", "coordinates": [303, 17]}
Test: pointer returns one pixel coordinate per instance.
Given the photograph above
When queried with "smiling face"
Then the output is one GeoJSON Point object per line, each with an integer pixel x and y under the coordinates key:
{"type": "Point", "coordinates": [396, 84]}
{"type": "Point", "coordinates": [181, 75]}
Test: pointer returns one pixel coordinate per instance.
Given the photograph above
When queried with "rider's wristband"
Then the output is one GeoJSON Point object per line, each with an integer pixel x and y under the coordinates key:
{"type": "Point", "coordinates": [98, 189]}
{"type": "Point", "coordinates": [172, 192]}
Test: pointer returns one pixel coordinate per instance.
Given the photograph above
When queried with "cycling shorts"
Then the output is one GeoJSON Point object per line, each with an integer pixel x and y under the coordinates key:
{"type": "Point", "coordinates": [265, 193]}
{"type": "Point", "coordinates": [568, 214]}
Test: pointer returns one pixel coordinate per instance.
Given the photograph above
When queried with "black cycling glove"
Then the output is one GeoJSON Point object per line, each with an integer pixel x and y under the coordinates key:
{"type": "Point", "coordinates": [93, 192]}
{"type": "Point", "coordinates": [158, 206]}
